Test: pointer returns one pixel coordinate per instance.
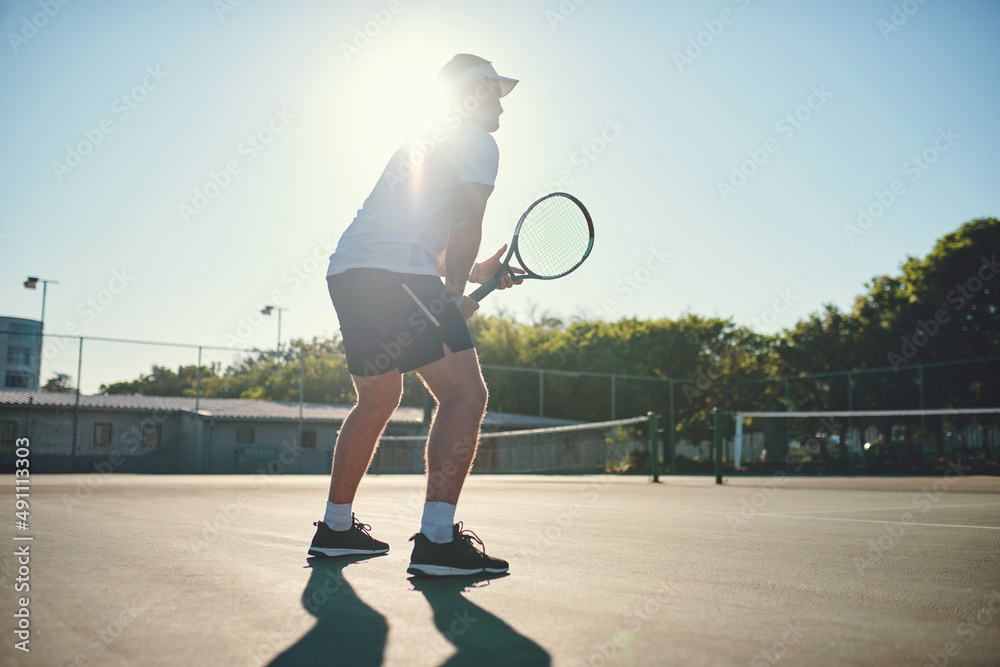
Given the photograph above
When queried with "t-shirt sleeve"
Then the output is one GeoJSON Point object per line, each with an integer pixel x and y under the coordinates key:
{"type": "Point", "coordinates": [477, 157]}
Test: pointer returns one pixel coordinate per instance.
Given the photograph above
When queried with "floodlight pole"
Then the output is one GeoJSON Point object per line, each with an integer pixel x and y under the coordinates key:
{"type": "Point", "coordinates": [31, 283]}
{"type": "Point", "coordinates": [266, 310]}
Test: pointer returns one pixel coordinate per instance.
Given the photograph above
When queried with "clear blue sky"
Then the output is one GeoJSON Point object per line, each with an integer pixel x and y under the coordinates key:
{"type": "Point", "coordinates": [200, 77]}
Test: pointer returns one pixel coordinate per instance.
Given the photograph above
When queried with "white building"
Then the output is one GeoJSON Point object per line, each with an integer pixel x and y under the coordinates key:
{"type": "Point", "coordinates": [158, 434]}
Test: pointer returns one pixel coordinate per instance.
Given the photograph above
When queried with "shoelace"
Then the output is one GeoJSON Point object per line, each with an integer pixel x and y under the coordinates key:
{"type": "Point", "coordinates": [470, 536]}
{"type": "Point", "coordinates": [363, 527]}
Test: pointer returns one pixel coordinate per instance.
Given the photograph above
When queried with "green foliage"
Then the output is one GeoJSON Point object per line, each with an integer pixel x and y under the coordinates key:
{"type": "Point", "coordinates": [941, 308]}
{"type": "Point", "coordinates": [59, 383]}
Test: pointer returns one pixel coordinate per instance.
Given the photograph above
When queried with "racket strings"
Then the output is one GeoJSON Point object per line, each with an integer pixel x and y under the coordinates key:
{"type": "Point", "coordinates": [554, 237]}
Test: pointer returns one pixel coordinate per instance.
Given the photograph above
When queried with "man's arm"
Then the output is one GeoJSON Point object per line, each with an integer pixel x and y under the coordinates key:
{"type": "Point", "coordinates": [466, 233]}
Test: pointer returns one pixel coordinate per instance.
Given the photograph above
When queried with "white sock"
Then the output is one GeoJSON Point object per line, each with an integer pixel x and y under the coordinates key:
{"type": "Point", "coordinates": [338, 516]}
{"type": "Point", "coordinates": [438, 522]}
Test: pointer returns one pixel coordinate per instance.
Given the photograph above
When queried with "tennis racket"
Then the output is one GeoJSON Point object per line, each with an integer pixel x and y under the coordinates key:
{"type": "Point", "coordinates": [551, 240]}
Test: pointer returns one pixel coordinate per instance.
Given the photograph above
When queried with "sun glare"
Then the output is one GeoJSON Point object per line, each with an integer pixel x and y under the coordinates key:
{"type": "Point", "coordinates": [391, 88]}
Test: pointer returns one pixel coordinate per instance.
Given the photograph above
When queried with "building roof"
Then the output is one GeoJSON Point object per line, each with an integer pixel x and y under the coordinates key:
{"type": "Point", "coordinates": [238, 408]}
{"type": "Point", "coordinates": [9, 318]}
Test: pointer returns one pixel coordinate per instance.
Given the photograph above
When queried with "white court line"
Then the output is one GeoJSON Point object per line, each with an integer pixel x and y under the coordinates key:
{"type": "Point", "coordinates": [886, 509]}
{"type": "Point", "coordinates": [817, 518]}
{"type": "Point", "coordinates": [914, 523]}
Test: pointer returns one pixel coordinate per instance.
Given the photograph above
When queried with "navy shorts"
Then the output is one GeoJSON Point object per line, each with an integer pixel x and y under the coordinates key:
{"type": "Point", "coordinates": [395, 320]}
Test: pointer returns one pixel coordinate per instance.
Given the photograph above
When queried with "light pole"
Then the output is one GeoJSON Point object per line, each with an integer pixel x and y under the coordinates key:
{"type": "Point", "coordinates": [32, 283]}
{"type": "Point", "coordinates": [267, 311]}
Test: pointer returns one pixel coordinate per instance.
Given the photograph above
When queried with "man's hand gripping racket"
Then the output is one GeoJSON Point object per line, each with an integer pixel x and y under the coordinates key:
{"type": "Point", "coordinates": [551, 240]}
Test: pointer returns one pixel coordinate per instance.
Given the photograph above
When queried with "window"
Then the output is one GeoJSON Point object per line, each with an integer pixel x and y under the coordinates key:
{"type": "Point", "coordinates": [24, 333]}
{"type": "Point", "coordinates": [102, 436]}
{"type": "Point", "coordinates": [17, 380]}
{"type": "Point", "coordinates": [309, 439]}
{"type": "Point", "coordinates": [8, 436]}
{"type": "Point", "coordinates": [150, 435]}
{"type": "Point", "coordinates": [19, 356]}
{"type": "Point", "coordinates": [244, 435]}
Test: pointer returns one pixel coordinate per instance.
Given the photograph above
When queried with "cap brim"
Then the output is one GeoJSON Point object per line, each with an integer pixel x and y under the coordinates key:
{"type": "Point", "coordinates": [506, 85]}
{"type": "Point", "coordinates": [486, 71]}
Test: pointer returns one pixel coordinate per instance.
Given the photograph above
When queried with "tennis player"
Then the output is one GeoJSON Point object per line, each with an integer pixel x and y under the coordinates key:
{"type": "Point", "coordinates": [422, 221]}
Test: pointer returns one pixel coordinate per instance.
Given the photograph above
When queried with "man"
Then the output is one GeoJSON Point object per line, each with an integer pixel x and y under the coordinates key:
{"type": "Point", "coordinates": [423, 220]}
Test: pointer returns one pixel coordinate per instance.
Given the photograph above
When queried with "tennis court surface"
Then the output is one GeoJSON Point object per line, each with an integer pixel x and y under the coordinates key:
{"type": "Point", "coordinates": [605, 570]}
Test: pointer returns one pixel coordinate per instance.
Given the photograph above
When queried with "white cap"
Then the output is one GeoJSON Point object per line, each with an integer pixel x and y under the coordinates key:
{"type": "Point", "coordinates": [485, 71]}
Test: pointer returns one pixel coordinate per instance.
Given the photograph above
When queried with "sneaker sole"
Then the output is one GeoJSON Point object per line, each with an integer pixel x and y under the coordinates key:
{"type": "Point", "coordinates": [332, 553]}
{"type": "Point", "coordinates": [426, 570]}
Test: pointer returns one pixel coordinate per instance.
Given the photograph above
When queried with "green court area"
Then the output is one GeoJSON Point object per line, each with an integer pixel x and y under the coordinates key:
{"type": "Point", "coordinates": [605, 570]}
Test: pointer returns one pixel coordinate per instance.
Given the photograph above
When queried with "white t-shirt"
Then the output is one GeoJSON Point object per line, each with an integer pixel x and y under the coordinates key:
{"type": "Point", "coordinates": [404, 224]}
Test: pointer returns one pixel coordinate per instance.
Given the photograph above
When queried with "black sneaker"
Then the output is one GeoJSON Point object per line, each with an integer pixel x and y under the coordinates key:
{"type": "Point", "coordinates": [354, 542]}
{"type": "Point", "coordinates": [456, 558]}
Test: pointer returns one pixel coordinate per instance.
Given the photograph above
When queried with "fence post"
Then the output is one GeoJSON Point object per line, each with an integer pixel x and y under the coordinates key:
{"type": "Point", "coordinates": [541, 396]}
{"type": "Point", "coordinates": [717, 422]}
{"type": "Point", "coordinates": [654, 448]}
{"type": "Point", "coordinates": [850, 391]}
{"type": "Point", "coordinates": [673, 431]}
{"type": "Point", "coordinates": [923, 420]}
{"type": "Point", "coordinates": [197, 384]}
{"type": "Point", "coordinates": [612, 397]}
{"type": "Point", "coordinates": [302, 387]}
{"type": "Point", "coordinates": [845, 442]}
{"type": "Point", "coordinates": [196, 421]}
{"type": "Point", "coordinates": [76, 406]}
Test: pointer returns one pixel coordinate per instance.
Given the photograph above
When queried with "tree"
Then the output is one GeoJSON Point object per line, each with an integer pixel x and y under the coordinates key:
{"type": "Point", "coordinates": [59, 383]}
{"type": "Point", "coordinates": [940, 308]}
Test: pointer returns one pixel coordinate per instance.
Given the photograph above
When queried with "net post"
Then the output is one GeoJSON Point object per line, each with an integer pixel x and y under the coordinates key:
{"type": "Point", "coordinates": [717, 424]}
{"type": "Point", "coordinates": [737, 441]}
{"type": "Point", "coordinates": [654, 450]}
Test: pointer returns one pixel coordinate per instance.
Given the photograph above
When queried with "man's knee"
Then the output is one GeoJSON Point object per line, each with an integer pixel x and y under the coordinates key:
{"type": "Point", "coordinates": [383, 405]}
{"type": "Point", "coordinates": [380, 396]}
{"type": "Point", "coordinates": [480, 394]}
{"type": "Point", "coordinates": [474, 394]}
{"type": "Point", "coordinates": [471, 393]}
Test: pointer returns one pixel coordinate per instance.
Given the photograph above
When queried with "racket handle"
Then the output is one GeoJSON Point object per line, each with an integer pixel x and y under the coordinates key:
{"type": "Point", "coordinates": [486, 288]}
{"type": "Point", "coordinates": [492, 283]}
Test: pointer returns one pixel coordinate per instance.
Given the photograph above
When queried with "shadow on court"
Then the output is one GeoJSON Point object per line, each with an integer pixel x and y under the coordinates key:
{"type": "Point", "coordinates": [347, 631]}
{"type": "Point", "coordinates": [479, 637]}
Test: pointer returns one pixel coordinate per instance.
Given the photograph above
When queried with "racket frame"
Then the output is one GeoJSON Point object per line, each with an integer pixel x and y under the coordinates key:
{"type": "Point", "coordinates": [528, 274]}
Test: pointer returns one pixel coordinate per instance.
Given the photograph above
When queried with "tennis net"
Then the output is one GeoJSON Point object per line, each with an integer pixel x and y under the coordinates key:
{"type": "Point", "coordinates": [876, 439]}
{"type": "Point", "coordinates": [620, 446]}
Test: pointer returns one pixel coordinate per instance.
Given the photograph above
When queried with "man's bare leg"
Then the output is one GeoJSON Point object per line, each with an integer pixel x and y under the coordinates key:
{"type": "Point", "coordinates": [339, 534]}
{"type": "Point", "coordinates": [439, 550]}
{"type": "Point", "coordinates": [378, 397]}
{"type": "Point", "coordinates": [456, 382]}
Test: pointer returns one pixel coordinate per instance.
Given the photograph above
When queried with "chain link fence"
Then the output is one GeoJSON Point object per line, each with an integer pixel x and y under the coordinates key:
{"type": "Point", "coordinates": [140, 406]}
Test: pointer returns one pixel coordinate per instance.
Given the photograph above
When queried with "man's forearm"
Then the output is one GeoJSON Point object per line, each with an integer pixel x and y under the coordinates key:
{"type": "Point", "coordinates": [463, 246]}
